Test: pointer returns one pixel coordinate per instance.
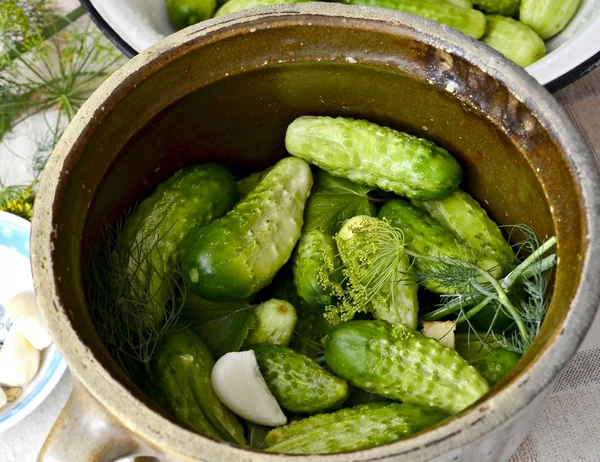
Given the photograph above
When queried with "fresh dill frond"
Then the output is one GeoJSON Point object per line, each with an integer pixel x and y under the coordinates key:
{"type": "Point", "coordinates": [371, 261]}
{"type": "Point", "coordinates": [17, 200]}
{"type": "Point", "coordinates": [118, 300]}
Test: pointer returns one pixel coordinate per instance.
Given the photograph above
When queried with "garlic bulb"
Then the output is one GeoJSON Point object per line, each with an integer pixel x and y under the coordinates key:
{"type": "Point", "coordinates": [19, 360]}
{"type": "Point", "coordinates": [23, 312]}
{"type": "Point", "coordinates": [238, 383]}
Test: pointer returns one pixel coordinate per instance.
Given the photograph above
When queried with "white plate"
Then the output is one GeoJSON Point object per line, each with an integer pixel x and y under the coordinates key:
{"type": "Point", "coordinates": [138, 24]}
{"type": "Point", "coordinates": [14, 256]}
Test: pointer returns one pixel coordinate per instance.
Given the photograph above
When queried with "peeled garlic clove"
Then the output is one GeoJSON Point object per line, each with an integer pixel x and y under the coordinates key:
{"type": "Point", "coordinates": [347, 231]}
{"type": "Point", "coordinates": [3, 398]}
{"type": "Point", "coordinates": [238, 383]}
{"type": "Point", "coordinates": [441, 331]}
{"type": "Point", "coordinates": [23, 312]}
{"type": "Point", "coordinates": [19, 360]}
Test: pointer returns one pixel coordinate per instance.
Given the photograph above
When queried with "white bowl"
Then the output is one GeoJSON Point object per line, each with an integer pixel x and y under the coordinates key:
{"type": "Point", "coordinates": [134, 25]}
{"type": "Point", "coordinates": [14, 256]}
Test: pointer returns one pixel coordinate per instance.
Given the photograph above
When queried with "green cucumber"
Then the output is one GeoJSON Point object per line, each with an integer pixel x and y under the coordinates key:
{"type": "Point", "coordinates": [239, 254]}
{"type": "Point", "coordinates": [181, 377]}
{"type": "Point", "coordinates": [248, 183]}
{"type": "Point", "coordinates": [298, 383]}
{"type": "Point", "coordinates": [275, 322]}
{"type": "Point", "coordinates": [332, 201]}
{"type": "Point", "coordinates": [375, 156]}
{"type": "Point", "coordinates": [164, 226]}
{"type": "Point", "coordinates": [426, 236]}
{"type": "Point", "coordinates": [402, 365]}
{"type": "Point", "coordinates": [361, 427]}
{"type": "Point", "coordinates": [514, 39]}
{"type": "Point", "coordinates": [463, 3]}
{"type": "Point", "coordinates": [315, 257]}
{"type": "Point", "coordinates": [547, 17]}
{"type": "Point", "coordinates": [504, 7]}
{"type": "Point", "coordinates": [470, 223]}
{"type": "Point", "coordinates": [233, 6]}
{"type": "Point", "coordinates": [184, 13]}
{"type": "Point", "coordinates": [467, 20]}
{"type": "Point", "coordinates": [496, 364]}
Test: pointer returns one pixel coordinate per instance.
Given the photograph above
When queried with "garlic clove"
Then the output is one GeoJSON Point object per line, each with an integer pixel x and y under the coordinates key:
{"type": "Point", "coordinates": [238, 383]}
{"type": "Point", "coordinates": [441, 331]}
{"type": "Point", "coordinates": [19, 360]}
{"type": "Point", "coordinates": [23, 312]}
{"type": "Point", "coordinates": [3, 398]}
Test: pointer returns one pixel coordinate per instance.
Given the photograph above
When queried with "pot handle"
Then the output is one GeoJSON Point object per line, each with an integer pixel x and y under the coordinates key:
{"type": "Point", "coordinates": [86, 432]}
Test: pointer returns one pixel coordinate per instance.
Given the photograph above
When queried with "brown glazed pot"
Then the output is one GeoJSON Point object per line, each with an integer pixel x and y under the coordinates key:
{"type": "Point", "coordinates": [225, 91]}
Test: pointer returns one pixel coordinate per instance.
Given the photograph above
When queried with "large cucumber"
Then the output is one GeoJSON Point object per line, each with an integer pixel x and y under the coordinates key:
{"type": "Point", "coordinates": [376, 156]}
{"type": "Point", "coordinates": [184, 13]}
{"type": "Point", "coordinates": [164, 226]}
{"type": "Point", "coordinates": [426, 236]}
{"type": "Point", "coordinates": [237, 255]}
{"type": "Point", "coordinates": [248, 183]}
{"type": "Point", "coordinates": [470, 223]}
{"type": "Point", "coordinates": [361, 427]}
{"type": "Point", "coordinates": [514, 39]}
{"type": "Point", "coordinates": [298, 383]}
{"type": "Point", "coordinates": [402, 365]}
{"type": "Point", "coordinates": [181, 376]}
{"type": "Point", "coordinates": [468, 21]}
{"type": "Point", "coordinates": [547, 17]}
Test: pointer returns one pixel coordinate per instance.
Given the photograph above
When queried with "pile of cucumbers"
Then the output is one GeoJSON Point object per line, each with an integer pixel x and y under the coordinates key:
{"type": "Point", "coordinates": [269, 350]}
{"type": "Point", "coordinates": [516, 28]}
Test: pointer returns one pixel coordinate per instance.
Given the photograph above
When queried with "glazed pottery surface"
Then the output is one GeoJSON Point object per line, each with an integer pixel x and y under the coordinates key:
{"type": "Point", "coordinates": [224, 91]}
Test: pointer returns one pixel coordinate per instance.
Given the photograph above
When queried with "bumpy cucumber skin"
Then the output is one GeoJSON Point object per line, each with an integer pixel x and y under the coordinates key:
{"type": "Point", "coordinates": [248, 183]}
{"type": "Point", "coordinates": [504, 7]}
{"type": "Point", "coordinates": [185, 361]}
{"type": "Point", "coordinates": [361, 427]}
{"type": "Point", "coordinates": [239, 254]}
{"type": "Point", "coordinates": [468, 21]}
{"type": "Point", "coordinates": [407, 367]}
{"type": "Point", "coordinates": [496, 364]}
{"type": "Point", "coordinates": [174, 212]}
{"type": "Point", "coordinates": [298, 383]}
{"type": "Point", "coordinates": [371, 155]}
{"type": "Point", "coordinates": [275, 322]}
{"type": "Point", "coordinates": [233, 6]}
{"type": "Point", "coordinates": [514, 39]}
{"type": "Point", "coordinates": [547, 17]}
{"type": "Point", "coordinates": [469, 222]}
{"type": "Point", "coordinates": [184, 13]}
{"type": "Point", "coordinates": [427, 236]}
{"type": "Point", "coordinates": [463, 3]}
{"type": "Point", "coordinates": [314, 249]}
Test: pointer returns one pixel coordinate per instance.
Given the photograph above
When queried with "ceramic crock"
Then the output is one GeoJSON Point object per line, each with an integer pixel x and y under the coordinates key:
{"type": "Point", "coordinates": [225, 91]}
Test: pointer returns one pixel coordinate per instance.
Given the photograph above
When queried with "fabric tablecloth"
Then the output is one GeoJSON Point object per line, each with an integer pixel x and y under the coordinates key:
{"type": "Point", "coordinates": [568, 430]}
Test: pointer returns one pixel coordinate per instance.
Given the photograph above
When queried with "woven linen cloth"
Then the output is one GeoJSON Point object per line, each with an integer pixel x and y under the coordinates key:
{"type": "Point", "coordinates": [568, 430]}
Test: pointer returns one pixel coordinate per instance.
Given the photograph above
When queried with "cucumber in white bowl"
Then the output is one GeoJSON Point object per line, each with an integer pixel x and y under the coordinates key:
{"type": "Point", "coordinates": [30, 364]}
{"type": "Point", "coordinates": [134, 25]}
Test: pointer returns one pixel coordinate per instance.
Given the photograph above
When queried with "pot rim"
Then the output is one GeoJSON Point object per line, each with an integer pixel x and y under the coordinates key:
{"type": "Point", "coordinates": [479, 419]}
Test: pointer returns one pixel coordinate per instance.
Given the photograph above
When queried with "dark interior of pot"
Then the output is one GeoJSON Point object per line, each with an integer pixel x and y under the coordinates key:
{"type": "Point", "coordinates": [228, 96]}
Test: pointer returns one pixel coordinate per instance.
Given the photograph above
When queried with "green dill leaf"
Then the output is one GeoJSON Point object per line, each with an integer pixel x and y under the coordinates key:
{"type": "Point", "coordinates": [222, 325]}
{"type": "Point", "coordinates": [334, 200]}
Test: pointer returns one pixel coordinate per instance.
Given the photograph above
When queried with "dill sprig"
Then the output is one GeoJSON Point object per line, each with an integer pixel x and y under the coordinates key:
{"type": "Point", "coordinates": [370, 271]}
{"type": "Point", "coordinates": [120, 299]}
